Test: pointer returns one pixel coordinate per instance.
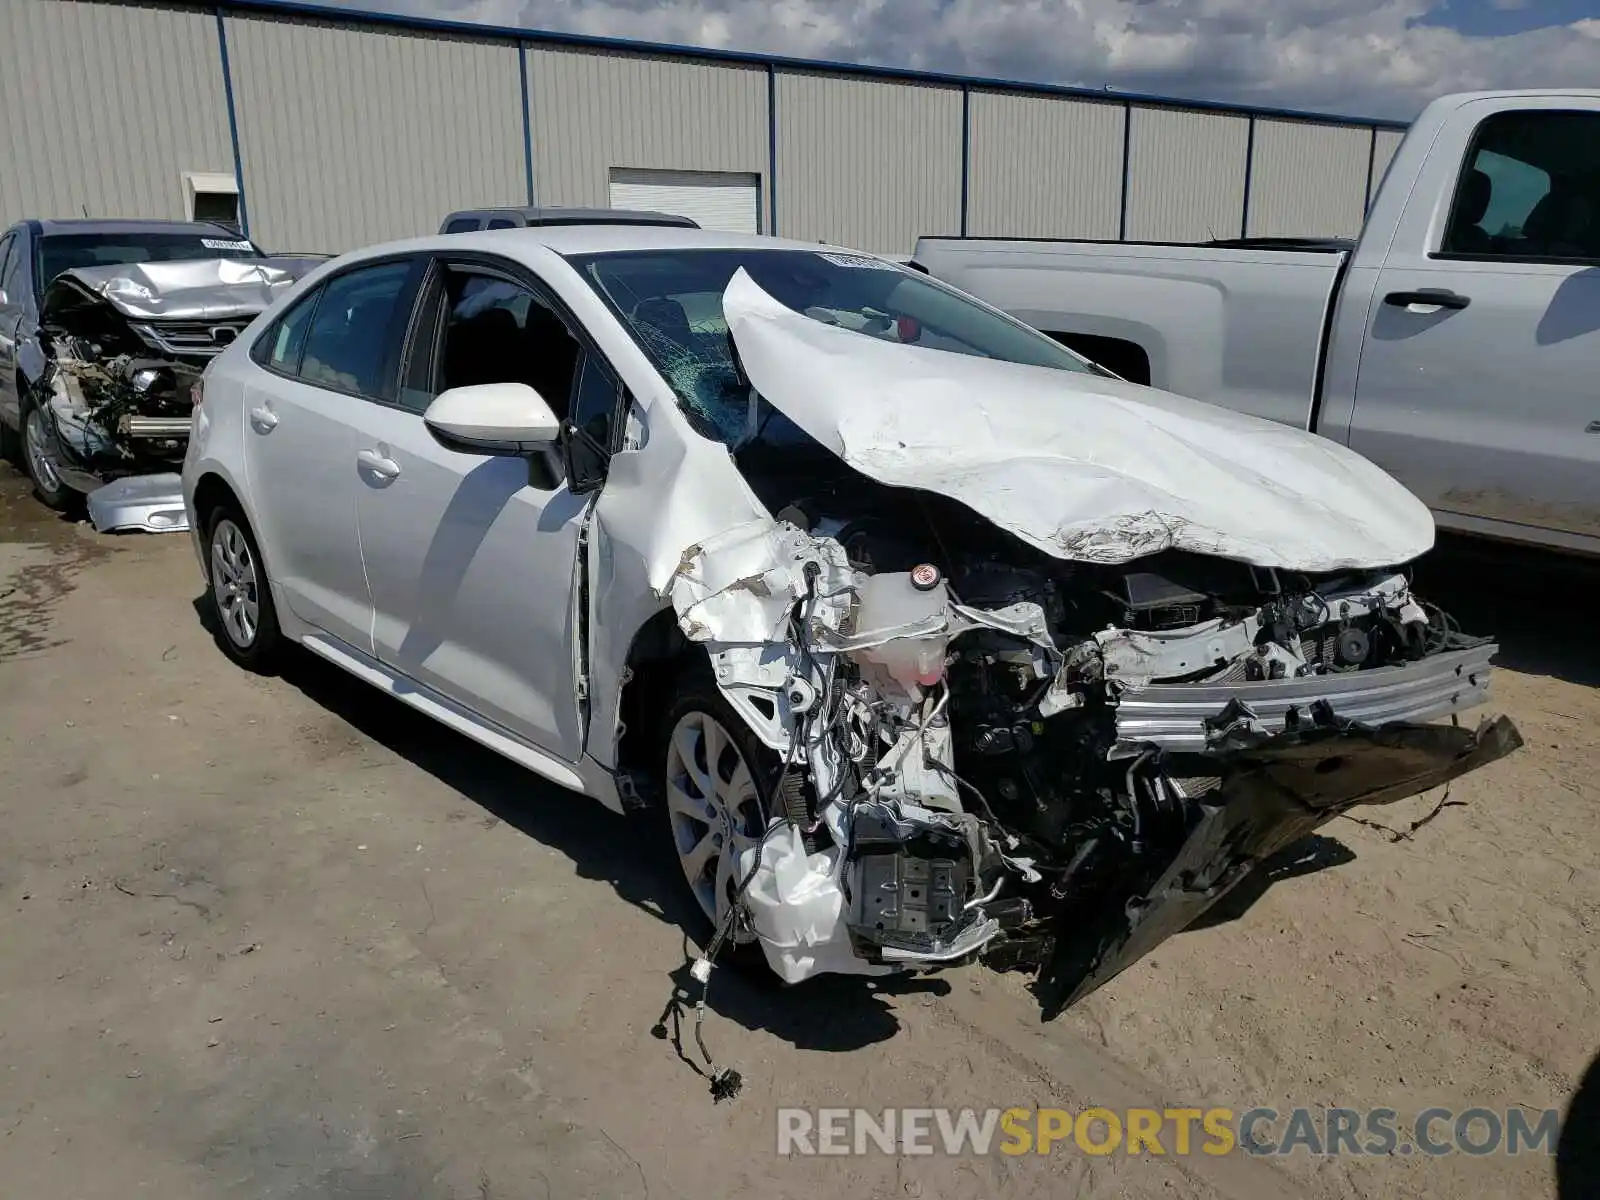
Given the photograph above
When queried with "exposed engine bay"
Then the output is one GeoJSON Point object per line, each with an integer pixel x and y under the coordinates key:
{"type": "Point", "coordinates": [1050, 765]}
{"type": "Point", "coordinates": [124, 345]}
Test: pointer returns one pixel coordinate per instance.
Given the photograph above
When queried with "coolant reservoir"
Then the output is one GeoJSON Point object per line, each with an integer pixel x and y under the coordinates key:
{"type": "Point", "coordinates": [897, 600]}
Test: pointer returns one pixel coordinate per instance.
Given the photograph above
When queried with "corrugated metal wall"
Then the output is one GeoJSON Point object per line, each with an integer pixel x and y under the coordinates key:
{"type": "Point", "coordinates": [1386, 142]}
{"type": "Point", "coordinates": [1185, 175]}
{"type": "Point", "coordinates": [352, 133]}
{"type": "Point", "coordinates": [593, 110]}
{"type": "Point", "coordinates": [103, 108]}
{"type": "Point", "coordinates": [1308, 180]}
{"type": "Point", "coordinates": [358, 135]}
{"type": "Point", "coordinates": [865, 163]}
{"type": "Point", "coordinates": [1044, 167]}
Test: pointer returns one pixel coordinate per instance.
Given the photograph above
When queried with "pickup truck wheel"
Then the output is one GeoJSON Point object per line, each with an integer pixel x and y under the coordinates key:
{"type": "Point", "coordinates": [39, 459]}
{"type": "Point", "coordinates": [241, 599]}
{"type": "Point", "coordinates": [716, 782]}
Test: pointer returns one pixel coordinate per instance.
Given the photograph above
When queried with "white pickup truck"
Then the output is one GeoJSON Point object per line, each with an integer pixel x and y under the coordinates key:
{"type": "Point", "coordinates": [1456, 343]}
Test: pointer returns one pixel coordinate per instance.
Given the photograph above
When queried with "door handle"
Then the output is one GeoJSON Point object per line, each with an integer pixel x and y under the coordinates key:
{"type": "Point", "coordinates": [263, 420]}
{"type": "Point", "coordinates": [381, 465]}
{"type": "Point", "coordinates": [1592, 427]}
{"type": "Point", "coordinates": [1441, 297]}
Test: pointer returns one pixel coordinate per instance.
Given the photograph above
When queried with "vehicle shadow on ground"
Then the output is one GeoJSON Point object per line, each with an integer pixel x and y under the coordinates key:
{"type": "Point", "coordinates": [1578, 1152]}
{"type": "Point", "coordinates": [615, 849]}
{"type": "Point", "coordinates": [1305, 857]}
{"type": "Point", "coordinates": [1537, 604]}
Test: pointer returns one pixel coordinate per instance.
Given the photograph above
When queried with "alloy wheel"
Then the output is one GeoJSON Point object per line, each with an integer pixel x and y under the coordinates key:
{"type": "Point", "coordinates": [714, 811]}
{"type": "Point", "coordinates": [234, 583]}
{"type": "Point", "coordinates": [40, 463]}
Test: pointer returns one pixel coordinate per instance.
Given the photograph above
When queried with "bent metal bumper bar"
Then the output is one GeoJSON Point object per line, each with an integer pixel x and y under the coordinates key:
{"type": "Point", "coordinates": [154, 427]}
{"type": "Point", "coordinates": [1174, 716]}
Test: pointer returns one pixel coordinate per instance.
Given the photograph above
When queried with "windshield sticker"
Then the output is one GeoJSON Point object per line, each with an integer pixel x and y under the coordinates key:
{"type": "Point", "coordinates": [858, 261]}
{"type": "Point", "coordinates": [224, 244]}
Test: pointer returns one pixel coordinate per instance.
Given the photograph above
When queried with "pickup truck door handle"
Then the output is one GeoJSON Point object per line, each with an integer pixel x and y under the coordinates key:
{"type": "Point", "coordinates": [1440, 297]}
{"type": "Point", "coordinates": [376, 463]}
{"type": "Point", "coordinates": [263, 419]}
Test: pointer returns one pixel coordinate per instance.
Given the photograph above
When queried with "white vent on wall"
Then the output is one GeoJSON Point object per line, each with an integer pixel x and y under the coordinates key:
{"type": "Point", "coordinates": [212, 196]}
{"type": "Point", "coordinates": [714, 199]}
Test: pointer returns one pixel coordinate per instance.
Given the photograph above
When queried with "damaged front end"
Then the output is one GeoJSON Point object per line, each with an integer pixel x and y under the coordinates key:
{"type": "Point", "coordinates": [1013, 732]}
{"type": "Point", "coordinates": [1052, 765]}
{"type": "Point", "coordinates": [123, 347]}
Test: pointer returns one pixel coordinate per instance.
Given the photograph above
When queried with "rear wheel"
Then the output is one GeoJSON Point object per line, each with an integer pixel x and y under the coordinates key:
{"type": "Point", "coordinates": [39, 458]}
{"type": "Point", "coordinates": [241, 598]}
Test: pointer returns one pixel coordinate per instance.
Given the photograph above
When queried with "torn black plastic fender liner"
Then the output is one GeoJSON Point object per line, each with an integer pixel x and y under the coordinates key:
{"type": "Point", "coordinates": [1275, 790]}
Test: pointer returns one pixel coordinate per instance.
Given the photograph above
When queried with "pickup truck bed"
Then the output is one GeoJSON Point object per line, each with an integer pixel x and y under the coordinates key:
{"type": "Point", "coordinates": [1190, 319]}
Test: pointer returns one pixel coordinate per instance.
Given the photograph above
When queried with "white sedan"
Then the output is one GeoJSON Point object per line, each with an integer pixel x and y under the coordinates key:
{"type": "Point", "coordinates": [928, 640]}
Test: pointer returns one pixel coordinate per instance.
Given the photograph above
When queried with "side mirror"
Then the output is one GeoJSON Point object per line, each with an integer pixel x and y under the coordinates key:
{"type": "Point", "coordinates": [492, 418]}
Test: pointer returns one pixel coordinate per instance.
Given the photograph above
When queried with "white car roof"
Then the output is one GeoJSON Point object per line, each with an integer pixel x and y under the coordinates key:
{"type": "Point", "coordinates": [593, 239]}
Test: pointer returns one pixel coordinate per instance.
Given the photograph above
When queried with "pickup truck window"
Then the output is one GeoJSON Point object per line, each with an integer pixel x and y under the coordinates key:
{"type": "Point", "coordinates": [1530, 189]}
{"type": "Point", "coordinates": [670, 301]}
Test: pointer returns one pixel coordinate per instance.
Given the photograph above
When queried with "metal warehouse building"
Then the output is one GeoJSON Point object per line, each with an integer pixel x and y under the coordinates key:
{"type": "Point", "coordinates": [325, 130]}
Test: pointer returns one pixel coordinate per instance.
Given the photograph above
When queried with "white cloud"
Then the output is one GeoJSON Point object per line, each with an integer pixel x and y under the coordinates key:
{"type": "Point", "coordinates": [1368, 57]}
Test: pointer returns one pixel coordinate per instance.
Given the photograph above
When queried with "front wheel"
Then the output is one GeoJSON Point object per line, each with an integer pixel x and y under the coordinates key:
{"type": "Point", "coordinates": [39, 457]}
{"type": "Point", "coordinates": [716, 784]}
{"type": "Point", "coordinates": [241, 598]}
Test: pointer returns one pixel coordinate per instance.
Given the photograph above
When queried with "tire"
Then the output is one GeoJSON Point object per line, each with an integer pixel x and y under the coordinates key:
{"type": "Point", "coordinates": [47, 484]}
{"type": "Point", "coordinates": [745, 796]}
{"type": "Point", "coordinates": [241, 597]}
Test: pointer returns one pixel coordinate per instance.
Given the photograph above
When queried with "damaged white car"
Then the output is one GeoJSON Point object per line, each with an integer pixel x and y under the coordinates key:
{"type": "Point", "coordinates": [928, 640]}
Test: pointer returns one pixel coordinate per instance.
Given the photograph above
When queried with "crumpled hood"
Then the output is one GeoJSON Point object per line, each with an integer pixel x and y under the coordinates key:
{"type": "Point", "coordinates": [1079, 465]}
{"type": "Point", "coordinates": [204, 289]}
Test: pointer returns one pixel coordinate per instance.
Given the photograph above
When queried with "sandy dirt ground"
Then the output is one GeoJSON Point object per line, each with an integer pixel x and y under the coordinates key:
{"type": "Point", "coordinates": [283, 938]}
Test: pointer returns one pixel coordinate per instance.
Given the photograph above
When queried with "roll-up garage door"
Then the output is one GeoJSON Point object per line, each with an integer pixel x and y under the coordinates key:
{"type": "Point", "coordinates": [713, 199]}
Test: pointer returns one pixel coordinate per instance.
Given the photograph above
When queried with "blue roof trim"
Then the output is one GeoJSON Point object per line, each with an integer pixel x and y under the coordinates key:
{"type": "Point", "coordinates": [328, 12]}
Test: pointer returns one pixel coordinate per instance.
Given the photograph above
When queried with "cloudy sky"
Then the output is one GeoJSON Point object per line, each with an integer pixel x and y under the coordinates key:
{"type": "Point", "coordinates": [1366, 57]}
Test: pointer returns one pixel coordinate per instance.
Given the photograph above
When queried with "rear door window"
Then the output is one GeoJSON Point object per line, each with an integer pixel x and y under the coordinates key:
{"type": "Point", "coordinates": [352, 329]}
